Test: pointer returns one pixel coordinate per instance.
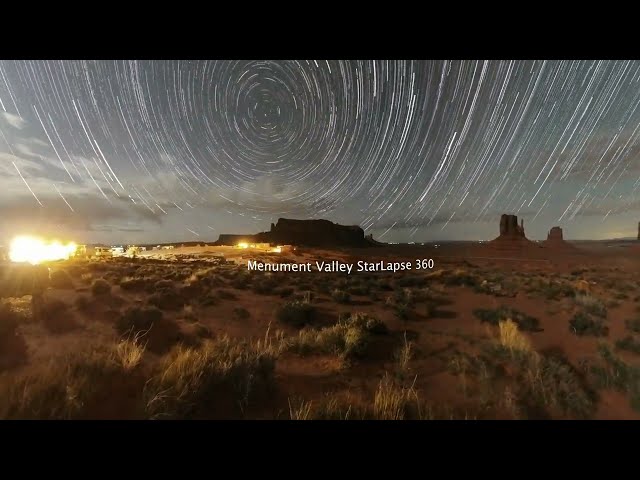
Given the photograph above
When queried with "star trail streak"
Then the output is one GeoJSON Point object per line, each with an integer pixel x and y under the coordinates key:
{"type": "Point", "coordinates": [409, 150]}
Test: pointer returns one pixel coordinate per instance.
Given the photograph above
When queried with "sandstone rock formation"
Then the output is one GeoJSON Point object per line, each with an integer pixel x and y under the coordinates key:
{"type": "Point", "coordinates": [555, 234]}
{"type": "Point", "coordinates": [313, 233]}
{"type": "Point", "coordinates": [512, 239]}
{"type": "Point", "coordinates": [555, 240]}
{"type": "Point", "coordinates": [509, 226]}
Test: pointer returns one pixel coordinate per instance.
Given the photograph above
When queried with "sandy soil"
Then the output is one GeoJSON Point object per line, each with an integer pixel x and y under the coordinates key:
{"type": "Point", "coordinates": [456, 365]}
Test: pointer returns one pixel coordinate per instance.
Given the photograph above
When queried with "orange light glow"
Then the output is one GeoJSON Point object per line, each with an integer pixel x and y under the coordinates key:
{"type": "Point", "coordinates": [243, 245]}
{"type": "Point", "coordinates": [36, 250]}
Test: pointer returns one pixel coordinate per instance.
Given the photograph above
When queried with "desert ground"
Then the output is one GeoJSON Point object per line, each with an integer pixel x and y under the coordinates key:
{"type": "Point", "coordinates": [490, 332]}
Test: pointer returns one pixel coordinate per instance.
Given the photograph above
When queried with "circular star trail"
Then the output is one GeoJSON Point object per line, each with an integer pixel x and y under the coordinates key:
{"type": "Point", "coordinates": [385, 144]}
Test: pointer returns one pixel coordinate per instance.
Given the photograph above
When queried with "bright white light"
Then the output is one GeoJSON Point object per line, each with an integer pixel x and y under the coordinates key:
{"type": "Point", "coordinates": [35, 250]}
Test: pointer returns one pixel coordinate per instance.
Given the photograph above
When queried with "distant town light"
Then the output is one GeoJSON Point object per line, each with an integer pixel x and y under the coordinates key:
{"type": "Point", "coordinates": [243, 245]}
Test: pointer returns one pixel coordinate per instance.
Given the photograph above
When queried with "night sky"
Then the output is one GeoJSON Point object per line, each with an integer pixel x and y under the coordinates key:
{"type": "Point", "coordinates": [160, 151]}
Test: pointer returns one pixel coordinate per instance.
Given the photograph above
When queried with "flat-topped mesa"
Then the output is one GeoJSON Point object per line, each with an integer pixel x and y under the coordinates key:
{"type": "Point", "coordinates": [509, 227]}
{"type": "Point", "coordinates": [638, 230]}
{"type": "Point", "coordinates": [314, 233]}
{"type": "Point", "coordinates": [555, 234]}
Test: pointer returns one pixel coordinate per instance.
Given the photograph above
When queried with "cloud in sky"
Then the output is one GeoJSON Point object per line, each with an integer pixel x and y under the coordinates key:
{"type": "Point", "coordinates": [16, 121]}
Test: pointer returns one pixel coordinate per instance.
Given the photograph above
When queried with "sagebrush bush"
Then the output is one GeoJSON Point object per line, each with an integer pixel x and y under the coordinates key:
{"type": "Point", "coordinates": [61, 279]}
{"type": "Point", "coordinates": [9, 321]}
{"type": "Point", "coordinates": [340, 296]}
{"type": "Point", "coordinates": [296, 313]}
{"type": "Point", "coordinates": [82, 302]}
{"type": "Point", "coordinates": [61, 389]}
{"type": "Point", "coordinates": [100, 287]}
{"type": "Point", "coordinates": [167, 300]}
{"type": "Point", "coordinates": [584, 324]}
{"type": "Point", "coordinates": [193, 382]}
{"type": "Point", "coordinates": [350, 337]}
{"type": "Point", "coordinates": [134, 284]}
{"type": "Point", "coordinates": [138, 319]}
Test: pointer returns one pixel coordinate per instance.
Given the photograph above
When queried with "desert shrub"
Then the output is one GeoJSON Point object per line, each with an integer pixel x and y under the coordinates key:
{"type": "Point", "coordinates": [305, 296]}
{"type": "Point", "coordinates": [495, 316]}
{"type": "Point", "coordinates": [20, 307]}
{"type": "Point", "coordinates": [208, 300]}
{"type": "Point", "coordinates": [62, 389]}
{"type": "Point", "coordinates": [167, 300]}
{"type": "Point", "coordinates": [163, 285]}
{"type": "Point", "coordinates": [9, 321]}
{"type": "Point", "coordinates": [188, 314]}
{"type": "Point", "coordinates": [264, 285]}
{"type": "Point", "coordinates": [55, 315]}
{"type": "Point", "coordinates": [405, 296]}
{"type": "Point", "coordinates": [628, 343]}
{"type": "Point", "coordinates": [241, 313]}
{"type": "Point", "coordinates": [592, 305]}
{"type": "Point", "coordinates": [614, 373]}
{"type": "Point", "coordinates": [82, 303]}
{"type": "Point", "coordinates": [584, 324]}
{"type": "Point", "coordinates": [52, 307]}
{"type": "Point", "coordinates": [61, 279]}
{"type": "Point", "coordinates": [554, 384]}
{"type": "Point", "coordinates": [542, 384]}
{"type": "Point", "coordinates": [134, 284]}
{"type": "Point", "coordinates": [367, 322]}
{"type": "Point", "coordinates": [349, 337]}
{"type": "Point", "coordinates": [460, 278]}
{"type": "Point", "coordinates": [138, 319]}
{"type": "Point", "coordinates": [241, 281]}
{"type": "Point", "coordinates": [556, 290]}
{"type": "Point", "coordinates": [402, 310]}
{"type": "Point", "coordinates": [100, 287]}
{"type": "Point", "coordinates": [200, 382]}
{"type": "Point", "coordinates": [340, 296]}
{"type": "Point", "coordinates": [296, 313]}
{"type": "Point", "coordinates": [227, 295]}
{"type": "Point", "coordinates": [324, 286]}
{"type": "Point", "coordinates": [633, 325]}
{"type": "Point", "coordinates": [358, 290]}
{"type": "Point", "coordinates": [202, 331]}
{"type": "Point", "coordinates": [284, 292]}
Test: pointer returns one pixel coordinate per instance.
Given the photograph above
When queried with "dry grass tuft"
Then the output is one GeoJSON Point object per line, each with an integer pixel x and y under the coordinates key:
{"type": "Point", "coordinates": [61, 389]}
{"type": "Point", "coordinates": [220, 375]}
{"type": "Point", "coordinates": [129, 351]}
{"type": "Point", "coordinates": [301, 412]}
{"type": "Point", "coordinates": [512, 339]}
{"type": "Point", "coordinates": [391, 400]}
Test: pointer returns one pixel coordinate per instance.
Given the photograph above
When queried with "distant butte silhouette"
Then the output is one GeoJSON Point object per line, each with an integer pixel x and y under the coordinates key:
{"type": "Point", "coordinates": [555, 234]}
{"type": "Point", "coordinates": [512, 236]}
{"type": "Point", "coordinates": [555, 239]}
{"type": "Point", "coordinates": [311, 233]}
